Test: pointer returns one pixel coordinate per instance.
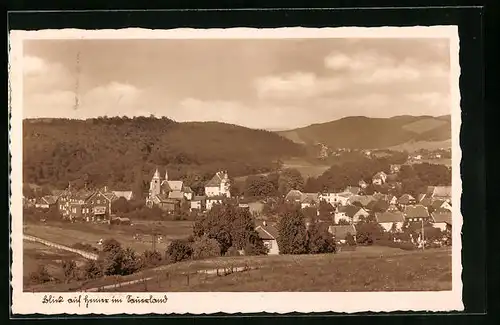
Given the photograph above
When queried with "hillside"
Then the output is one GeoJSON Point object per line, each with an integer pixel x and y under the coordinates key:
{"type": "Point", "coordinates": [122, 152]}
{"type": "Point", "coordinates": [367, 133]}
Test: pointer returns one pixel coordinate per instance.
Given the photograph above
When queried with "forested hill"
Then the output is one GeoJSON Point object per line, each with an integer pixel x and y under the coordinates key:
{"type": "Point", "coordinates": [123, 152]}
{"type": "Point", "coordinates": [359, 132]}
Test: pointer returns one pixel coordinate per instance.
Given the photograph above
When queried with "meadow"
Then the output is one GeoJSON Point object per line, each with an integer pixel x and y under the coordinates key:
{"type": "Point", "coordinates": [68, 234]}
{"type": "Point", "coordinates": [373, 268]}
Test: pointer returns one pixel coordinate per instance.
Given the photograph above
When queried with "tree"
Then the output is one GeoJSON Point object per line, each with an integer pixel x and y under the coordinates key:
{"type": "Point", "coordinates": [326, 211]}
{"type": "Point", "coordinates": [290, 179]}
{"type": "Point", "coordinates": [178, 250]}
{"type": "Point", "coordinates": [258, 186]}
{"type": "Point", "coordinates": [69, 270]}
{"type": "Point", "coordinates": [350, 240]}
{"type": "Point", "coordinates": [91, 270]}
{"type": "Point", "coordinates": [292, 231]}
{"type": "Point", "coordinates": [319, 240]}
{"type": "Point", "coordinates": [205, 247]}
{"type": "Point", "coordinates": [120, 206]}
{"type": "Point", "coordinates": [41, 275]}
{"type": "Point", "coordinates": [368, 232]}
{"type": "Point", "coordinates": [116, 260]}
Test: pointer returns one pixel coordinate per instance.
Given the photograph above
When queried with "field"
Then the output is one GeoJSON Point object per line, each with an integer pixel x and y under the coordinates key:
{"type": "Point", "coordinates": [307, 169]}
{"type": "Point", "coordinates": [366, 269]}
{"type": "Point", "coordinates": [35, 254]}
{"type": "Point", "coordinates": [71, 233]}
{"type": "Point", "coordinates": [413, 146]}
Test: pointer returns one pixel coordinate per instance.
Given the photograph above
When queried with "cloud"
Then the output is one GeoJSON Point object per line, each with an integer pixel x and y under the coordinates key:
{"type": "Point", "coordinates": [297, 85]}
{"type": "Point", "coordinates": [40, 76]}
{"type": "Point", "coordinates": [374, 67]}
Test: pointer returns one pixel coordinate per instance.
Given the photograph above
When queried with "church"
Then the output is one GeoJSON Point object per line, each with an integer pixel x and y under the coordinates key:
{"type": "Point", "coordinates": [167, 194]}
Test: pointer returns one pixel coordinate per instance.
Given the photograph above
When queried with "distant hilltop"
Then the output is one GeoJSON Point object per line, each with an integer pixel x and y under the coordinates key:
{"type": "Point", "coordinates": [360, 132]}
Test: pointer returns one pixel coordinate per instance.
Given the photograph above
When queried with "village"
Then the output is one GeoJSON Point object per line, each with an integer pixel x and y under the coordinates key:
{"type": "Point", "coordinates": [341, 212]}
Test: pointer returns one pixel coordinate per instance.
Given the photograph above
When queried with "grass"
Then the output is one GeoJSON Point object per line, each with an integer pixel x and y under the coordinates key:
{"type": "Point", "coordinates": [373, 268]}
{"type": "Point", "coordinates": [35, 254]}
{"type": "Point", "coordinates": [88, 233]}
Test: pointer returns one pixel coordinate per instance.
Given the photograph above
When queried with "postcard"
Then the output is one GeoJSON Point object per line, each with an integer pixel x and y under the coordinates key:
{"type": "Point", "coordinates": [235, 170]}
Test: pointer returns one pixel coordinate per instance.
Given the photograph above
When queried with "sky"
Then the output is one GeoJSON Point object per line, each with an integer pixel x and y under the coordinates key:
{"type": "Point", "coordinates": [272, 84]}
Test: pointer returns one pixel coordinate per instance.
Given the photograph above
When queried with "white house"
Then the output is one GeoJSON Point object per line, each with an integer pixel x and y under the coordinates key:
{"type": "Point", "coordinates": [210, 201]}
{"type": "Point", "coordinates": [441, 219]}
{"type": "Point", "coordinates": [390, 219]}
{"type": "Point", "coordinates": [350, 213]}
{"type": "Point", "coordinates": [336, 198]}
{"type": "Point", "coordinates": [218, 186]}
{"type": "Point", "coordinates": [269, 234]}
{"type": "Point", "coordinates": [379, 178]}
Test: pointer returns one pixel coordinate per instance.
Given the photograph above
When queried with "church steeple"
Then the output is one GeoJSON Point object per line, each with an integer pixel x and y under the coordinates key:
{"type": "Point", "coordinates": [157, 174]}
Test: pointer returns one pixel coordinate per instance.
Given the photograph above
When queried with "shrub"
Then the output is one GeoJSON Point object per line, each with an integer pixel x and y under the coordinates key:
{"type": "Point", "coordinates": [86, 247]}
{"type": "Point", "coordinates": [350, 239]}
{"type": "Point", "coordinates": [205, 247]}
{"type": "Point", "coordinates": [118, 261]}
{"type": "Point", "coordinates": [292, 231]}
{"type": "Point", "coordinates": [41, 275]}
{"type": "Point", "coordinates": [151, 259]}
{"type": "Point", "coordinates": [319, 241]}
{"type": "Point", "coordinates": [407, 246]}
{"type": "Point", "coordinates": [69, 270]}
{"type": "Point", "coordinates": [91, 270]}
{"type": "Point", "coordinates": [232, 251]}
{"type": "Point", "coordinates": [178, 250]}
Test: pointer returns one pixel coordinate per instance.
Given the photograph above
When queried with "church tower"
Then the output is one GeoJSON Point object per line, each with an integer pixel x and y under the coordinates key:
{"type": "Point", "coordinates": [155, 185]}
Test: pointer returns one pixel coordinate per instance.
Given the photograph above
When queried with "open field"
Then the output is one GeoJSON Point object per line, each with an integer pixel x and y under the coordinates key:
{"type": "Point", "coordinates": [413, 146]}
{"type": "Point", "coordinates": [86, 233]}
{"type": "Point", "coordinates": [373, 268]}
{"type": "Point", "coordinates": [35, 254]}
{"type": "Point", "coordinates": [306, 168]}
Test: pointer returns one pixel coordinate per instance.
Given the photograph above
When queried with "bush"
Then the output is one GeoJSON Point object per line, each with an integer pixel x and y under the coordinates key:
{"type": "Point", "coordinates": [151, 259]}
{"type": "Point", "coordinates": [70, 271]}
{"type": "Point", "coordinates": [41, 275]}
{"type": "Point", "coordinates": [350, 239]}
{"type": "Point", "coordinates": [178, 250]}
{"type": "Point", "coordinates": [232, 251]}
{"type": "Point", "coordinates": [86, 247]}
{"type": "Point", "coordinates": [319, 241]}
{"type": "Point", "coordinates": [91, 270]}
{"type": "Point", "coordinates": [205, 247]}
{"type": "Point", "coordinates": [118, 261]}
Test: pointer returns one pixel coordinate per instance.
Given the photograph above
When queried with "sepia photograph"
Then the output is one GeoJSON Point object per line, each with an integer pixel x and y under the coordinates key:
{"type": "Point", "coordinates": [150, 168]}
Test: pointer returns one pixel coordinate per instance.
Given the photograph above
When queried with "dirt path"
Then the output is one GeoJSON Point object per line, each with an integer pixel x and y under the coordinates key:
{"type": "Point", "coordinates": [87, 255]}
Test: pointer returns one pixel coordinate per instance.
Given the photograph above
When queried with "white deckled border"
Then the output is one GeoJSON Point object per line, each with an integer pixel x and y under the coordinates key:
{"type": "Point", "coordinates": [205, 303]}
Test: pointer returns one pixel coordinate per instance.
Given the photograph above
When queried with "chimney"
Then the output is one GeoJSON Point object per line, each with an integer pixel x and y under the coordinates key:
{"type": "Point", "coordinates": [264, 223]}
{"type": "Point", "coordinates": [105, 189]}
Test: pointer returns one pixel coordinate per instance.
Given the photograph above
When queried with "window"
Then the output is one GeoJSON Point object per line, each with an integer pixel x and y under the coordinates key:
{"type": "Point", "coordinates": [98, 201]}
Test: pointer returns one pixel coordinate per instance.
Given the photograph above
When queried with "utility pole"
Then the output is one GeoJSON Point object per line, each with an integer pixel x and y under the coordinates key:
{"type": "Point", "coordinates": [423, 242]}
{"type": "Point", "coordinates": [153, 241]}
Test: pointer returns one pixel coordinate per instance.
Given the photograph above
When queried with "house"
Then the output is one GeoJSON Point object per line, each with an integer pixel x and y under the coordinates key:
{"type": "Point", "coordinates": [255, 208]}
{"type": "Point", "coordinates": [363, 200]}
{"type": "Point", "coordinates": [441, 204]}
{"type": "Point", "coordinates": [442, 219]}
{"type": "Point", "coordinates": [294, 196]}
{"type": "Point", "coordinates": [98, 206]}
{"type": "Point", "coordinates": [198, 203]}
{"type": "Point", "coordinates": [390, 220]}
{"type": "Point", "coordinates": [340, 233]}
{"type": "Point", "coordinates": [304, 199]}
{"type": "Point", "coordinates": [335, 198]}
{"type": "Point", "coordinates": [395, 168]}
{"type": "Point", "coordinates": [353, 189]}
{"type": "Point", "coordinates": [211, 200]}
{"type": "Point", "coordinates": [379, 178]}
{"type": "Point", "coordinates": [406, 199]}
{"type": "Point", "coordinates": [415, 213]}
{"type": "Point", "coordinates": [188, 192]}
{"type": "Point", "coordinates": [350, 213]}
{"type": "Point", "coordinates": [269, 235]}
{"type": "Point", "coordinates": [219, 185]}
{"type": "Point", "coordinates": [88, 205]}
{"type": "Point", "coordinates": [46, 202]}
{"type": "Point", "coordinates": [309, 200]}
{"type": "Point", "coordinates": [439, 192]}
{"type": "Point", "coordinates": [165, 203]}
{"type": "Point", "coordinates": [127, 195]}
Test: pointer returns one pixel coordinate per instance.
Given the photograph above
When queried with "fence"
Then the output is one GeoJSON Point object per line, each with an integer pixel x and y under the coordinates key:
{"type": "Point", "coordinates": [87, 255]}
{"type": "Point", "coordinates": [169, 280]}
